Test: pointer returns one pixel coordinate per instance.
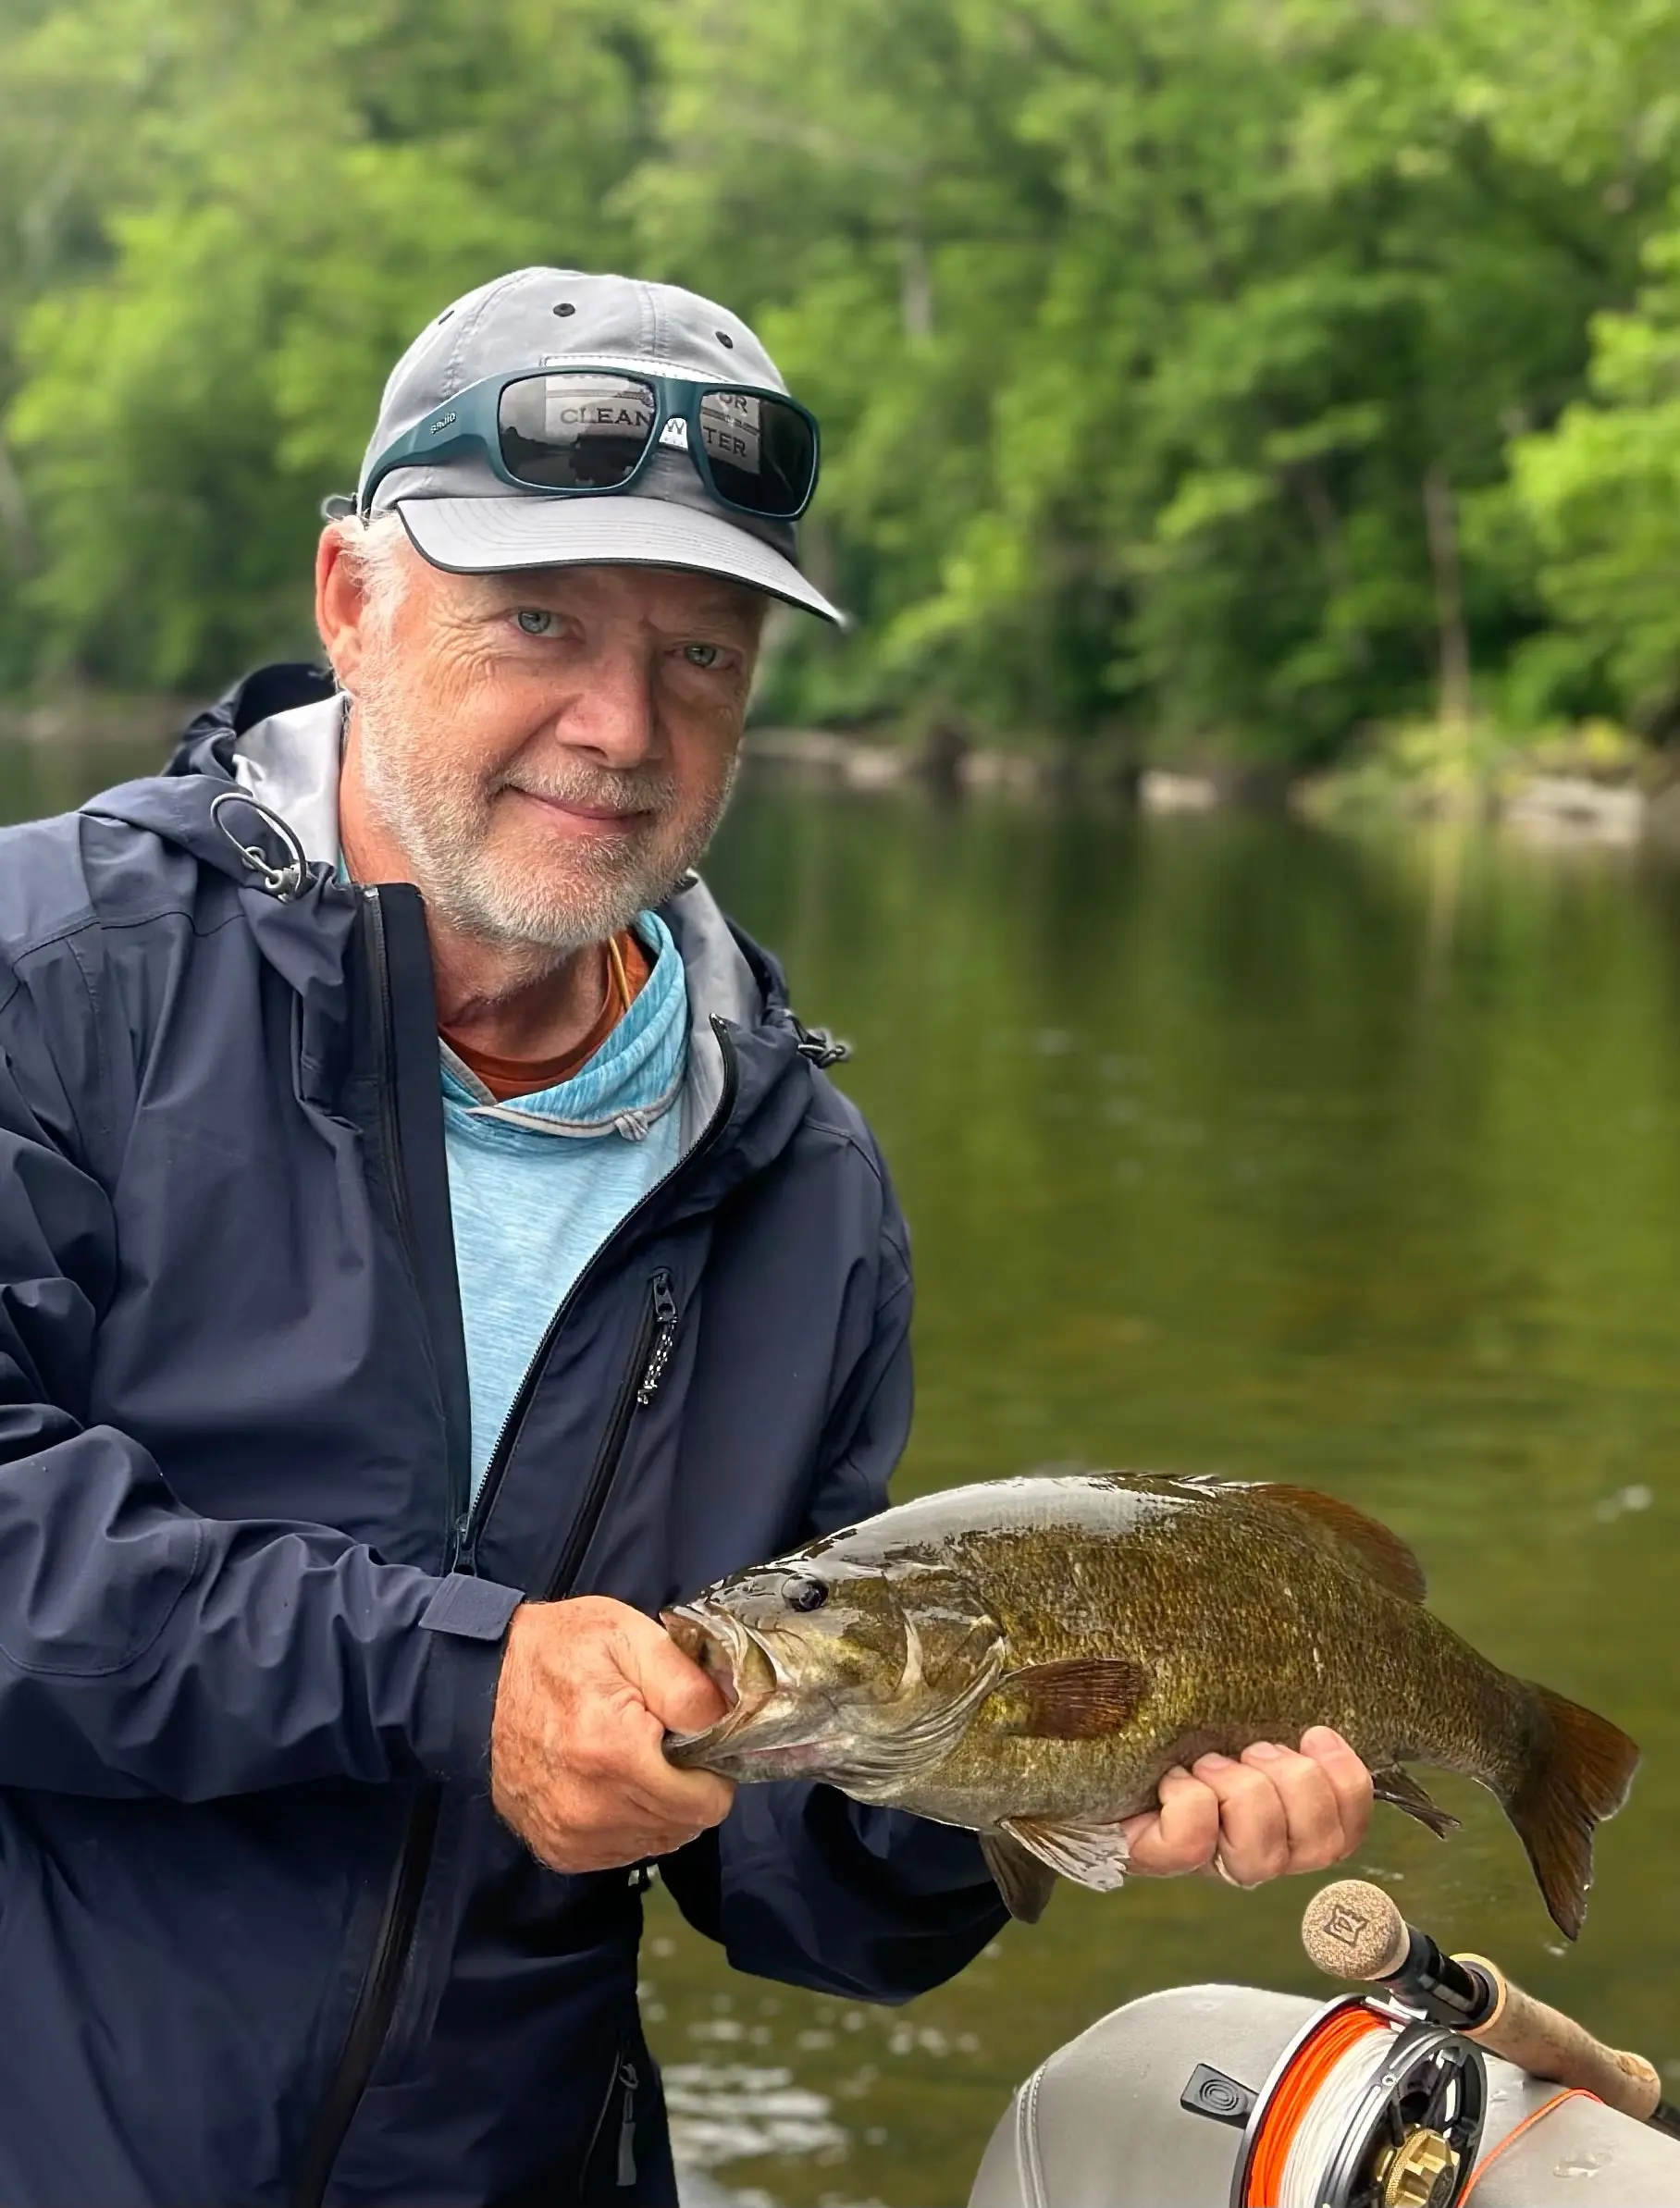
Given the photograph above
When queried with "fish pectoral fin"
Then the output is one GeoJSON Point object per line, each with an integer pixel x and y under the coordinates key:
{"type": "Point", "coordinates": [1401, 1791]}
{"type": "Point", "coordinates": [1095, 1856]}
{"type": "Point", "coordinates": [1079, 1699]}
{"type": "Point", "coordinates": [1025, 1883]}
{"type": "Point", "coordinates": [1364, 1540]}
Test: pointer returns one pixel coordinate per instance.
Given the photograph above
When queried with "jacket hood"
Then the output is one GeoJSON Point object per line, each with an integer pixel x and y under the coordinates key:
{"type": "Point", "coordinates": [176, 804]}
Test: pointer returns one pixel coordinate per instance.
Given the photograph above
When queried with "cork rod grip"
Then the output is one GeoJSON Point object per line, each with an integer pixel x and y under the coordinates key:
{"type": "Point", "coordinates": [1545, 2044]}
{"type": "Point", "coordinates": [1352, 1929]}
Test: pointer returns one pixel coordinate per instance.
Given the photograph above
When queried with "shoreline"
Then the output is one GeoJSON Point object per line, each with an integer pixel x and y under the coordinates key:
{"type": "Point", "coordinates": [1541, 805]}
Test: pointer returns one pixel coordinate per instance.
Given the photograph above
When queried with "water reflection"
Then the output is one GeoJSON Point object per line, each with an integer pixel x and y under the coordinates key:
{"type": "Point", "coordinates": [1231, 1145]}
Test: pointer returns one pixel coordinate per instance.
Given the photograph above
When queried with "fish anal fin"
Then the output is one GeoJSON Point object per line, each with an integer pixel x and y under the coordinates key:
{"type": "Point", "coordinates": [1365, 1540]}
{"type": "Point", "coordinates": [1076, 1699]}
{"type": "Point", "coordinates": [1401, 1791]}
{"type": "Point", "coordinates": [1090, 1855]}
{"type": "Point", "coordinates": [1025, 1883]}
{"type": "Point", "coordinates": [1581, 1769]}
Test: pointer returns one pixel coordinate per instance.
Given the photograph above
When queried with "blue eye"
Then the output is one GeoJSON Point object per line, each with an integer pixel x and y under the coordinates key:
{"type": "Point", "coordinates": [534, 620]}
{"type": "Point", "coordinates": [701, 655]}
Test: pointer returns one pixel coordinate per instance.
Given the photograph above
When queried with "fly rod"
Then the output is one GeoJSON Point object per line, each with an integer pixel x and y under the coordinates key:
{"type": "Point", "coordinates": [1353, 1931]}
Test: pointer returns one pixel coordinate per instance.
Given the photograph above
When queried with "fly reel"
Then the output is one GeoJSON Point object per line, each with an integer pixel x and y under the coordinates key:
{"type": "Point", "coordinates": [1369, 2106]}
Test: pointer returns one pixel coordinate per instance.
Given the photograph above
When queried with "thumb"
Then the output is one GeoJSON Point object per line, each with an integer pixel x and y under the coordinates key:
{"type": "Point", "coordinates": [676, 1690]}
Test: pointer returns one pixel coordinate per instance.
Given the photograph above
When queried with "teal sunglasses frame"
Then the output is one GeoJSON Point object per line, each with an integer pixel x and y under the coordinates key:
{"type": "Point", "coordinates": [472, 421]}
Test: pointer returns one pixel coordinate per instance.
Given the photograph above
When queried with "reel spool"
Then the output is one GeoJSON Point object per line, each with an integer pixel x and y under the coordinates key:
{"type": "Point", "coordinates": [1369, 2106]}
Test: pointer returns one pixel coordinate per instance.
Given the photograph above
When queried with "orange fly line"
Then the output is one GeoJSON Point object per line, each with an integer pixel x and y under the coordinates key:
{"type": "Point", "coordinates": [1297, 2090]}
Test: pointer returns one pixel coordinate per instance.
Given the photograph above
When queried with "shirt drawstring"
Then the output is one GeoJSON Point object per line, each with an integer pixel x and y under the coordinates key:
{"type": "Point", "coordinates": [632, 1122]}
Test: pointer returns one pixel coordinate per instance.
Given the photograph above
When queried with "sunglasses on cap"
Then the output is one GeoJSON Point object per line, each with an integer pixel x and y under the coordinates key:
{"type": "Point", "coordinates": [583, 432]}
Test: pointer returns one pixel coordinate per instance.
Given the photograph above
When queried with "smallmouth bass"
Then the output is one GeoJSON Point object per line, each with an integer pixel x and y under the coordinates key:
{"type": "Point", "coordinates": [1028, 1658]}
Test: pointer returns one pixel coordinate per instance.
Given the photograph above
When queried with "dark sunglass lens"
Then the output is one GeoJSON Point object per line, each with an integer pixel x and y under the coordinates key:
{"type": "Point", "coordinates": [575, 432]}
{"type": "Point", "coordinates": [763, 453]}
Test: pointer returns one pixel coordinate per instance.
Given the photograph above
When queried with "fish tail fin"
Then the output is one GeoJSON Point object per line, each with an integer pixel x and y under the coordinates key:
{"type": "Point", "coordinates": [1577, 1771]}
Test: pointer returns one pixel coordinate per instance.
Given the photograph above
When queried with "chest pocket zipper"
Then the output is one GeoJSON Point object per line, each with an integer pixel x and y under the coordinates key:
{"type": "Point", "coordinates": [664, 1337]}
{"type": "Point", "coordinates": [647, 1369]}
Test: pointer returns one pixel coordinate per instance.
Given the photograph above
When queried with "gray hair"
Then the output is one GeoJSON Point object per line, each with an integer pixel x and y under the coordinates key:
{"type": "Point", "coordinates": [381, 558]}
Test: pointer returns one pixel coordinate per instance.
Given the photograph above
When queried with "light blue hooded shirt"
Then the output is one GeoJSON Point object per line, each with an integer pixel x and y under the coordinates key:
{"type": "Point", "coordinates": [537, 1184]}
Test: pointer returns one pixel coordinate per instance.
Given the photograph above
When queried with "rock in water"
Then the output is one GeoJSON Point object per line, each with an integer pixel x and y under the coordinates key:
{"type": "Point", "coordinates": [1028, 1656]}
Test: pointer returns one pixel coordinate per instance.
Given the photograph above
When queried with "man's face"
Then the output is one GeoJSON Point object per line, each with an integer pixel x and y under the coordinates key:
{"type": "Point", "coordinates": [552, 749]}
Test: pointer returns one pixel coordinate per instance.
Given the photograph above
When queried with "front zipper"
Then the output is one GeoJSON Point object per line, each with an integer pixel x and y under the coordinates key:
{"type": "Point", "coordinates": [385, 1061]}
{"type": "Point", "coordinates": [377, 2001]}
{"type": "Point", "coordinates": [384, 1076]}
{"type": "Point", "coordinates": [376, 2004]}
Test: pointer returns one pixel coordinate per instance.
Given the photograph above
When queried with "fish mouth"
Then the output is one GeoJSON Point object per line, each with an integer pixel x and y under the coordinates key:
{"type": "Point", "coordinates": [732, 1658]}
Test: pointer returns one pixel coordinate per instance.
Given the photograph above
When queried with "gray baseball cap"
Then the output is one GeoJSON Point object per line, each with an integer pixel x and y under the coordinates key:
{"type": "Point", "coordinates": [461, 515]}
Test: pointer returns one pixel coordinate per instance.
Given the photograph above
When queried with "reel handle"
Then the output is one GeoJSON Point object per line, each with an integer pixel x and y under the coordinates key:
{"type": "Point", "coordinates": [1353, 1931]}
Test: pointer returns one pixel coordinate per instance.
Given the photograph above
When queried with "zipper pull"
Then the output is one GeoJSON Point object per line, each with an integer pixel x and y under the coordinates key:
{"type": "Point", "coordinates": [627, 2125]}
{"type": "Point", "coordinates": [664, 1337]}
{"type": "Point", "coordinates": [458, 1560]}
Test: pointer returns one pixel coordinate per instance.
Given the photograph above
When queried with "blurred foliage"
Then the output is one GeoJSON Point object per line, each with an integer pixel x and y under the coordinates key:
{"type": "Point", "coordinates": [230, 222]}
{"type": "Point", "coordinates": [1196, 375]}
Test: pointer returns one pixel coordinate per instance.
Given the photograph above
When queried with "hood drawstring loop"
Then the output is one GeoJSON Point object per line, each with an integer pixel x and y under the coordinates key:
{"type": "Point", "coordinates": [284, 882]}
{"type": "Point", "coordinates": [817, 1044]}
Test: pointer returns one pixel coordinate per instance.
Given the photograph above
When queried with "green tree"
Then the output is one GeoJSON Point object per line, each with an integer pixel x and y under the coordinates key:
{"type": "Point", "coordinates": [1602, 493]}
{"type": "Point", "coordinates": [1172, 355]}
{"type": "Point", "coordinates": [318, 178]}
{"type": "Point", "coordinates": [1167, 342]}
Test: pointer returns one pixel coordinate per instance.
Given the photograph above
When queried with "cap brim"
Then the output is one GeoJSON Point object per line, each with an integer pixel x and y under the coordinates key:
{"type": "Point", "coordinates": [479, 537]}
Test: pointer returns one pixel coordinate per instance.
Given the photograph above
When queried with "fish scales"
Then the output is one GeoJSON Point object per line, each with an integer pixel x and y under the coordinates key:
{"type": "Point", "coordinates": [1030, 1657]}
{"type": "Point", "coordinates": [1139, 1592]}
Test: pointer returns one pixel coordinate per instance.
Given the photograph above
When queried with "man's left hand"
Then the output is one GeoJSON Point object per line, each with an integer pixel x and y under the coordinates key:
{"type": "Point", "coordinates": [1274, 1810]}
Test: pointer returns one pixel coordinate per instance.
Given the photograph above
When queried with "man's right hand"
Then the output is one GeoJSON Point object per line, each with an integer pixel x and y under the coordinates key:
{"type": "Point", "coordinates": [588, 1689]}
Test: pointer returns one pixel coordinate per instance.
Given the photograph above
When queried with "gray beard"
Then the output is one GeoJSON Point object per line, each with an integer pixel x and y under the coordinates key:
{"type": "Point", "coordinates": [441, 825]}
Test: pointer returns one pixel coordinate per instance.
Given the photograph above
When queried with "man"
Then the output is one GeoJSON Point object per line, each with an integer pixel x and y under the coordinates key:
{"type": "Point", "coordinates": [429, 1244]}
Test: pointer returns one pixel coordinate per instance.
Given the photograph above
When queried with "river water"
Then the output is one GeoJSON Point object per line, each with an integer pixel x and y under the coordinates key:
{"type": "Point", "coordinates": [1231, 1145]}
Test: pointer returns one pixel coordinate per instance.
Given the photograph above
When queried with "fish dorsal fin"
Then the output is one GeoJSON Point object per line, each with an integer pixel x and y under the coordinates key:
{"type": "Point", "coordinates": [1095, 1856]}
{"type": "Point", "coordinates": [1025, 1883]}
{"type": "Point", "coordinates": [1364, 1540]}
{"type": "Point", "coordinates": [1078, 1698]}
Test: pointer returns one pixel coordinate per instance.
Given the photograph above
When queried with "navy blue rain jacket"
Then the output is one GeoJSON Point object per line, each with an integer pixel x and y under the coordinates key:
{"type": "Point", "coordinates": [261, 1937]}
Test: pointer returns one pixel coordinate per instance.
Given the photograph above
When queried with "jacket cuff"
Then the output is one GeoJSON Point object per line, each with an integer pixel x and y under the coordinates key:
{"type": "Point", "coordinates": [466, 1621]}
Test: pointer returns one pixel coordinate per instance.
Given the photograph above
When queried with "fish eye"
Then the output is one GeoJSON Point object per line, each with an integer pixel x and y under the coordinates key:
{"type": "Point", "coordinates": [803, 1594]}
